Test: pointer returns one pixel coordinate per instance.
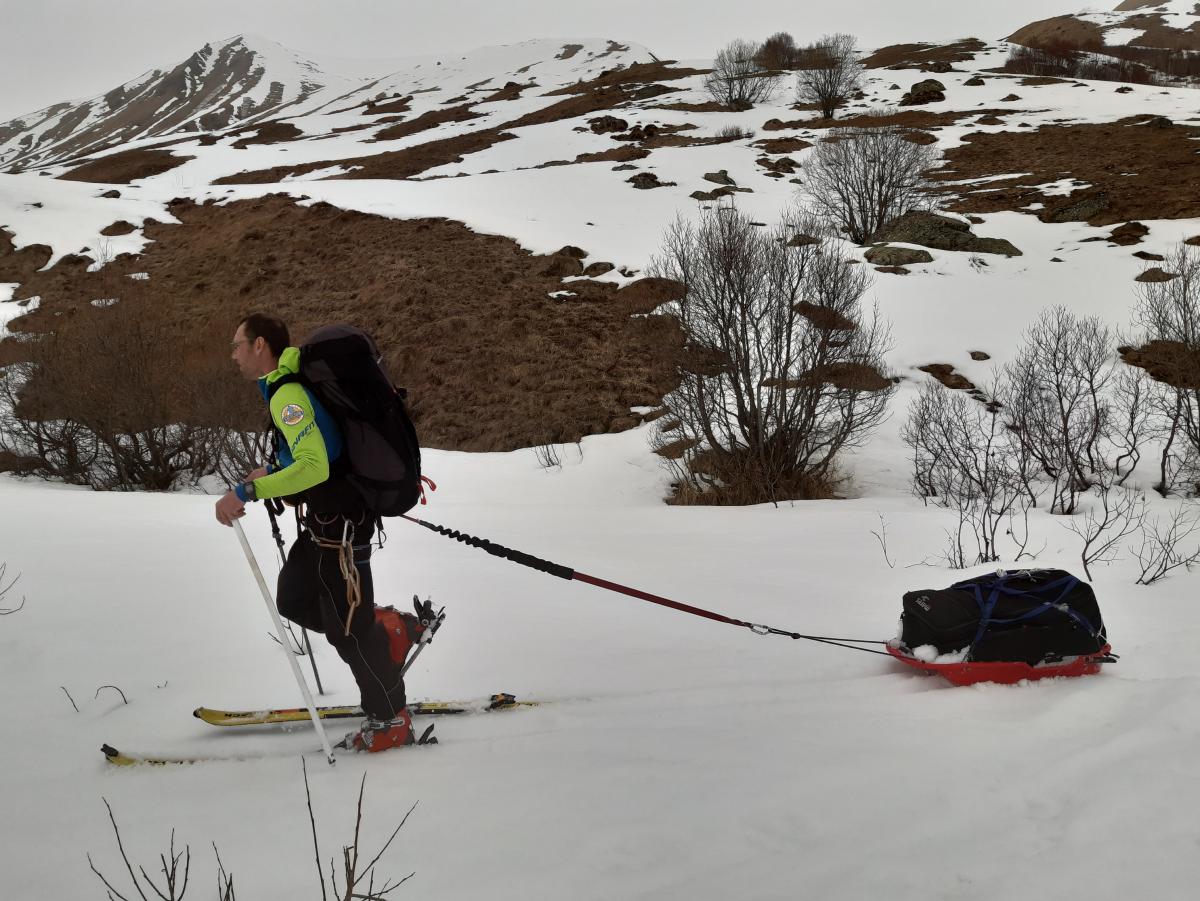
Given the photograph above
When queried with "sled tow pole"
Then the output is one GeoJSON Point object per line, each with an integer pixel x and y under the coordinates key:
{"type": "Point", "coordinates": [566, 572]}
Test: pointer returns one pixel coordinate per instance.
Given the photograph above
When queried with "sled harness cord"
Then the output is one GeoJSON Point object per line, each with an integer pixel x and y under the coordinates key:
{"type": "Point", "coordinates": [565, 572]}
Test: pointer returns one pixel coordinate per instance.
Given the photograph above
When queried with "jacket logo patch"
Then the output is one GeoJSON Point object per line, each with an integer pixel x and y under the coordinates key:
{"type": "Point", "coordinates": [293, 414]}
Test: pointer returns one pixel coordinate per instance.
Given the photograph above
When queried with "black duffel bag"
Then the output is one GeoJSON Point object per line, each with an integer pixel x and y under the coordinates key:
{"type": "Point", "coordinates": [1030, 615]}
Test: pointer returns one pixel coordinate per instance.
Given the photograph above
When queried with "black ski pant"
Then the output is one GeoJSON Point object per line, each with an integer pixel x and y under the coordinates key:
{"type": "Point", "coordinates": [312, 593]}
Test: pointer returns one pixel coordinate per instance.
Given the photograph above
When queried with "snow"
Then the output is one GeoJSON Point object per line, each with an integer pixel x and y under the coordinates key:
{"type": "Point", "coordinates": [674, 757]}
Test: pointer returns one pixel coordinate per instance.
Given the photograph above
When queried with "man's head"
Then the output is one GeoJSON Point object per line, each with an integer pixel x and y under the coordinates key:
{"type": "Point", "coordinates": [257, 344]}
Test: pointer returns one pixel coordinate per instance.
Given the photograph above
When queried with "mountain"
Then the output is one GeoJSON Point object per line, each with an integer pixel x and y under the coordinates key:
{"type": "Point", "coordinates": [1149, 24]}
{"type": "Point", "coordinates": [240, 80]}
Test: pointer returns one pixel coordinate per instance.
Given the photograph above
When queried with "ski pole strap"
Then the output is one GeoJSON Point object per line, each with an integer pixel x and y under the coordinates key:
{"type": "Point", "coordinates": [566, 572]}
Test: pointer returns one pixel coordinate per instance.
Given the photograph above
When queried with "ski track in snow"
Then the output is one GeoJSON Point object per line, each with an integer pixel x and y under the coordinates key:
{"type": "Point", "coordinates": [678, 758]}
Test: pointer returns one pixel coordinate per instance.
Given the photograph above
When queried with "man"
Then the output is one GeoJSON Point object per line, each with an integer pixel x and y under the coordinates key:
{"type": "Point", "coordinates": [325, 585]}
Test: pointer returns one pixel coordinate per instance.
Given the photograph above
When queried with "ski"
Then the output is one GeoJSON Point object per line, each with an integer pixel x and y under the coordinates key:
{"type": "Point", "coordinates": [216, 717]}
{"type": "Point", "coordinates": [123, 758]}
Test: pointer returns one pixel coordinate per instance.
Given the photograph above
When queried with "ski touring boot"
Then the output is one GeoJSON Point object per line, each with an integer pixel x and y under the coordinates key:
{"type": "Point", "coordinates": [404, 630]}
{"type": "Point", "coordinates": [380, 735]}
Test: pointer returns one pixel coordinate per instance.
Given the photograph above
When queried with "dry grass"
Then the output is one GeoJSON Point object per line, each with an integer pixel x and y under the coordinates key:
{"type": "Point", "coordinates": [123, 167]}
{"type": "Point", "coordinates": [918, 56]}
{"type": "Point", "coordinates": [492, 362]}
{"type": "Point", "coordinates": [1147, 173]}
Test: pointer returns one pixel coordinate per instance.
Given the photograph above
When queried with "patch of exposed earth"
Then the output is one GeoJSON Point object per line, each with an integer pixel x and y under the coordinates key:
{"type": "Point", "coordinates": [491, 360]}
{"type": "Point", "coordinates": [1135, 168]}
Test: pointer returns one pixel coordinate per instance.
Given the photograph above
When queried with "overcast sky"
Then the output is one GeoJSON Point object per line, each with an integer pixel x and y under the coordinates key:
{"type": "Point", "coordinates": [52, 50]}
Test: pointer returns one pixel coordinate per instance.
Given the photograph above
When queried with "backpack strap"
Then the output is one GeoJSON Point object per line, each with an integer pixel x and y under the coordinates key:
{"type": "Point", "coordinates": [286, 379]}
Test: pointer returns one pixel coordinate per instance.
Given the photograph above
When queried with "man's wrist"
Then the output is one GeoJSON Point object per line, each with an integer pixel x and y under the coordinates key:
{"type": "Point", "coordinates": [245, 492]}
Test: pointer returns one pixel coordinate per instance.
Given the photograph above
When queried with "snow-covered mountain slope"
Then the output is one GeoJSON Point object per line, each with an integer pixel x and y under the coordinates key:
{"type": "Point", "coordinates": [1167, 24]}
{"type": "Point", "coordinates": [236, 81]}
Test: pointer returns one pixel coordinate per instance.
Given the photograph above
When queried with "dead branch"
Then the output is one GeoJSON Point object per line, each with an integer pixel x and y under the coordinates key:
{"type": "Point", "coordinates": [114, 688]}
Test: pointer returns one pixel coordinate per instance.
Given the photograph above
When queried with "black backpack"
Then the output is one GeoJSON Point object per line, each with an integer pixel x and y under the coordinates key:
{"type": "Point", "coordinates": [1032, 615]}
{"type": "Point", "coordinates": [381, 457]}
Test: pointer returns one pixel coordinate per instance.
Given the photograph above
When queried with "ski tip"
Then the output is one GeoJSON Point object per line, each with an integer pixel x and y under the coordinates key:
{"type": "Point", "coordinates": [115, 757]}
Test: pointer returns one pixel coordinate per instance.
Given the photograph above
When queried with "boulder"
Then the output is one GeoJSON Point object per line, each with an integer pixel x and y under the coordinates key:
{"type": "Point", "coordinates": [598, 268]}
{"type": "Point", "coordinates": [1077, 209]}
{"type": "Point", "coordinates": [1155, 275]}
{"type": "Point", "coordinates": [974, 82]}
{"type": "Point", "coordinates": [719, 178]}
{"type": "Point", "coordinates": [644, 181]}
{"type": "Point", "coordinates": [928, 91]}
{"type": "Point", "coordinates": [1159, 122]}
{"type": "Point", "coordinates": [1129, 233]}
{"type": "Point", "coordinates": [942, 233]}
{"type": "Point", "coordinates": [605, 124]}
{"type": "Point", "coordinates": [884, 255]}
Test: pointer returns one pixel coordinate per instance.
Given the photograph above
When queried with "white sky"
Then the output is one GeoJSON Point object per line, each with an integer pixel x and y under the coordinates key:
{"type": "Point", "coordinates": [52, 50]}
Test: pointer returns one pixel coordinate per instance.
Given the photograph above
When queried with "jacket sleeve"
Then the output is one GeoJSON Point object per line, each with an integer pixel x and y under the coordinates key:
{"type": "Point", "coordinates": [293, 414]}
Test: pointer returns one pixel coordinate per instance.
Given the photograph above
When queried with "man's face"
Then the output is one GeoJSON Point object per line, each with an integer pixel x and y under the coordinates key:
{"type": "Point", "coordinates": [244, 355]}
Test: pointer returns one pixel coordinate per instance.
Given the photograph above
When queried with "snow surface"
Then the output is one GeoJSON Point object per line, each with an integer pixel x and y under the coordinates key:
{"type": "Point", "coordinates": [675, 757]}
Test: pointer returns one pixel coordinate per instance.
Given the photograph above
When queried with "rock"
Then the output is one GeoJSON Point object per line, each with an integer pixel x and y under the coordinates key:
{"type": "Point", "coordinates": [884, 255]}
{"type": "Point", "coordinates": [979, 355]}
{"type": "Point", "coordinates": [989, 120]}
{"type": "Point", "coordinates": [1155, 275]}
{"type": "Point", "coordinates": [1193, 241]}
{"type": "Point", "coordinates": [892, 270]}
{"type": "Point", "coordinates": [1055, 260]}
{"type": "Point", "coordinates": [975, 82]}
{"type": "Point", "coordinates": [598, 268]}
{"type": "Point", "coordinates": [605, 124]}
{"type": "Point", "coordinates": [785, 165]}
{"type": "Point", "coordinates": [894, 87]}
{"type": "Point", "coordinates": [561, 267]}
{"type": "Point", "coordinates": [1124, 89]}
{"type": "Point", "coordinates": [570, 250]}
{"type": "Point", "coordinates": [1011, 98]}
{"type": "Point", "coordinates": [938, 65]}
{"type": "Point", "coordinates": [928, 91]}
{"type": "Point", "coordinates": [624, 167]}
{"type": "Point", "coordinates": [977, 220]}
{"type": "Point", "coordinates": [945, 374]}
{"type": "Point", "coordinates": [719, 178]}
{"type": "Point", "coordinates": [120, 227]}
{"type": "Point", "coordinates": [709, 196]}
{"type": "Point", "coordinates": [111, 194]}
{"type": "Point", "coordinates": [1159, 122]}
{"type": "Point", "coordinates": [1129, 233]}
{"type": "Point", "coordinates": [638, 133]}
{"type": "Point", "coordinates": [644, 181]}
{"type": "Point", "coordinates": [1077, 209]}
{"type": "Point", "coordinates": [1143, 255]}
{"type": "Point", "coordinates": [803, 240]}
{"type": "Point", "coordinates": [941, 233]}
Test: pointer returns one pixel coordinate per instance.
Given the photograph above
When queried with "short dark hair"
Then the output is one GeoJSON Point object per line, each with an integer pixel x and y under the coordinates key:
{"type": "Point", "coordinates": [269, 328]}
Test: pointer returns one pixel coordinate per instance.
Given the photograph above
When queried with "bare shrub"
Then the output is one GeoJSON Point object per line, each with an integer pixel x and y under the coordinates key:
{"type": "Point", "coordinates": [734, 133]}
{"type": "Point", "coordinates": [779, 51]}
{"type": "Point", "coordinates": [106, 401]}
{"type": "Point", "coordinates": [1062, 59]}
{"type": "Point", "coordinates": [965, 459]}
{"type": "Point", "coordinates": [1056, 399]}
{"type": "Point", "coordinates": [863, 178]}
{"type": "Point", "coordinates": [1116, 514]}
{"type": "Point", "coordinates": [1162, 546]}
{"type": "Point", "coordinates": [174, 883]}
{"type": "Point", "coordinates": [737, 80]}
{"type": "Point", "coordinates": [832, 73]}
{"type": "Point", "coordinates": [5, 589]}
{"type": "Point", "coordinates": [782, 370]}
{"type": "Point", "coordinates": [1168, 315]}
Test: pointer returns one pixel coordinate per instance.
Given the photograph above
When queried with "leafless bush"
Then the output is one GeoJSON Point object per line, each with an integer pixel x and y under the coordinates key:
{"type": "Point", "coordinates": [1068, 60]}
{"type": "Point", "coordinates": [1118, 512]}
{"type": "Point", "coordinates": [1168, 314]}
{"type": "Point", "coordinates": [548, 456]}
{"type": "Point", "coordinates": [1056, 398]}
{"type": "Point", "coordinates": [737, 80]}
{"type": "Point", "coordinates": [174, 883]}
{"type": "Point", "coordinates": [964, 458]}
{"type": "Point", "coordinates": [831, 74]}
{"type": "Point", "coordinates": [783, 369]}
{"type": "Point", "coordinates": [5, 589]}
{"type": "Point", "coordinates": [779, 51]}
{"type": "Point", "coordinates": [106, 401]}
{"type": "Point", "coordinates": [734, 133]}
{"type": "Point", "coordinates": [862, 178]}
{"type": "Point", "coordinates": [1161, 549]}
{"type": "Point", "coordinates": [352, 876]}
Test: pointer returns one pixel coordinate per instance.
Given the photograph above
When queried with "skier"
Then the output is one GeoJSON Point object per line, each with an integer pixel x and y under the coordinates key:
{"type": "Point", "coordinates": [325, 584]}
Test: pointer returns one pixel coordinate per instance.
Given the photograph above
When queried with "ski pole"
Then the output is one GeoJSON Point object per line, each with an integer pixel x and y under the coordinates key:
{"type": "Point", "coordinates": [266, 593]}
{"type": "Point", "coordinates": [270, 505]}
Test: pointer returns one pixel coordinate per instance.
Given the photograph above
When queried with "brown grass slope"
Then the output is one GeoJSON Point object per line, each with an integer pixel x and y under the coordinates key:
{"type": "Point", "coordinates": [492, 362]}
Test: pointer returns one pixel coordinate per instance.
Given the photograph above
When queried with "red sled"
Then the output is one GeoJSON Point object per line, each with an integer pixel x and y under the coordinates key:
{"type": "Point", "coordinates": [1007, 672]}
